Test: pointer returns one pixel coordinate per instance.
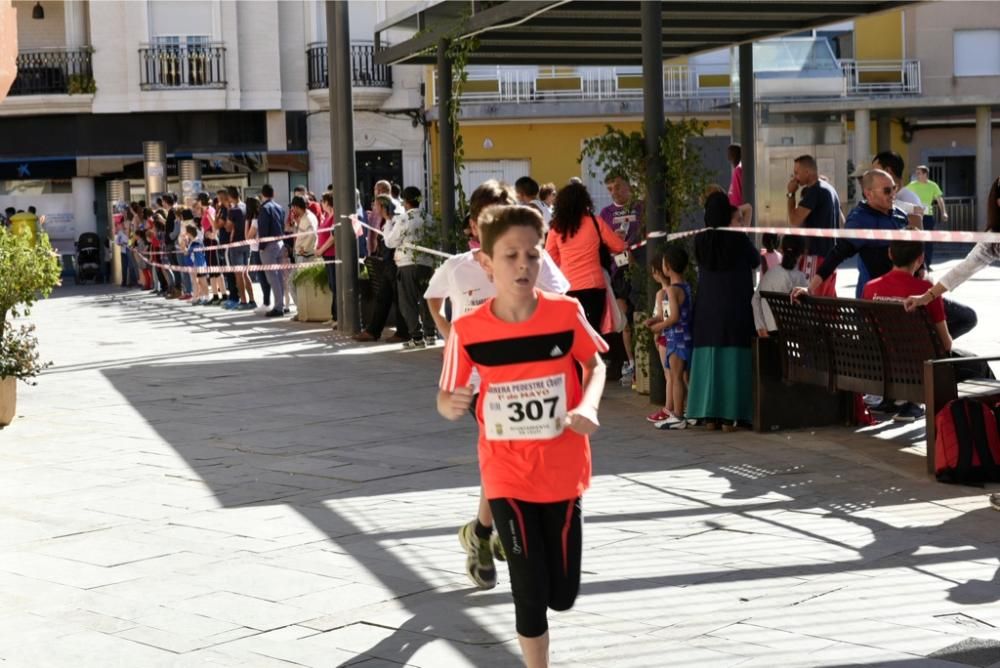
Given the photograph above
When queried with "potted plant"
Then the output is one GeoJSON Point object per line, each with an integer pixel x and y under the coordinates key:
{"type": "Point", "coordinates": [313, 299]}
{"type": "Point", "coordinates": [28, 271]}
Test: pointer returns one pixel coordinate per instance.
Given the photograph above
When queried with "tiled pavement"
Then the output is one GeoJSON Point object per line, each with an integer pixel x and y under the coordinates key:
{"type": "Point", "coordinates": [194, 487]}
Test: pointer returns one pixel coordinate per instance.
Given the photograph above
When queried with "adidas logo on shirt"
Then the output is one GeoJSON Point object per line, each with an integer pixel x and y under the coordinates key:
{"type": "Point", "coordinates": [555, 352]}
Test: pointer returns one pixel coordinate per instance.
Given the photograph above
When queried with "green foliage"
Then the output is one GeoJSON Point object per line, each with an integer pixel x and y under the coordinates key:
{"type": "Point", "coordinates": [28, 272]}
{"type": "Point", "coordinates": [459, 51]}
{"type": "Point", "coordinates": [315, 274]}
{"type": "Point", "coordinates": [81, 84]}
{"type": "Point", "coordinates": [624, 154]}
{"type": "Point", "coordinates": [19, 356]}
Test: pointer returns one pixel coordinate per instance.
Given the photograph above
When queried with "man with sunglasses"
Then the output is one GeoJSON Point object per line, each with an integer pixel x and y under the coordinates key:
{"type": "Point", "coordinates": [876, 212]}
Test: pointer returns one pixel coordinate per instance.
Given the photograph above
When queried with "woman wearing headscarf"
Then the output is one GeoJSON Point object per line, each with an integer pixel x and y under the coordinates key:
{"type": "Point", "coordinates": [721, 368]}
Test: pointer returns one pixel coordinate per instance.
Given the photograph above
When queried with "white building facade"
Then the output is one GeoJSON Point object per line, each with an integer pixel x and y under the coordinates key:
{"type": "Point", "coordinates": [239, 87]}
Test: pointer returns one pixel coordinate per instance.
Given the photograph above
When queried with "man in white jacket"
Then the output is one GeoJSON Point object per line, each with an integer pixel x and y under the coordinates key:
{"type": "Point", "coordinates": [414, 270]}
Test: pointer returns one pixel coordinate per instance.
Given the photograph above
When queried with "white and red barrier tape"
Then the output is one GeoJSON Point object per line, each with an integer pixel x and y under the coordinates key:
{"type": "Point", "coordinates": [942, 236]}
{"type": "Point", "coordinates": [409, 246]}
{"type": "Point", "coordinates": [228, 269]}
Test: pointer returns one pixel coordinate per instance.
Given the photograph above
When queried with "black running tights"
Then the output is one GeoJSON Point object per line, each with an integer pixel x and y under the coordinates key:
{"type": "Point", "coordinates": [543, 542]}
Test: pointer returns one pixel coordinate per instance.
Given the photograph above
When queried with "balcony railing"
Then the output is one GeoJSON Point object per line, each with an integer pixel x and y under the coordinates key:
{"type": "Point", "coordinates": [546, 84]}
{"type": "Point", "coordinates": [685, 82]}
{"type": "Point", "coordinates": [364, 72]}
{"type": "Point", "coordinates": [882, 77]}
{"type": "Point", "coordinates": [165, 66]}
{"type": "Point", "coordinates": [53, 71]}
{"type": "Point", "coordinates": [961, 214]}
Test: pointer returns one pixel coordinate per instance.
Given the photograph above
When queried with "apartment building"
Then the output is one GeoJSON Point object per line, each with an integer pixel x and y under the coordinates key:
{"type": "Point", "coordinates": [914, 80]}
{"type": "Point", "coordinates": [238, 87]}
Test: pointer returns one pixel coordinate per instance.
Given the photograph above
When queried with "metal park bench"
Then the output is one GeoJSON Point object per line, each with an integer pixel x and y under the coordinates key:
{"type": "Point", "coordinates": [827, 349]}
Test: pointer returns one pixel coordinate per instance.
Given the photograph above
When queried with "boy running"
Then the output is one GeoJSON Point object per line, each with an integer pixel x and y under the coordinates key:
{"type": "Point", "coordinates": [463, 281]}
{"type": "Point", "coordinates": [534, 418]}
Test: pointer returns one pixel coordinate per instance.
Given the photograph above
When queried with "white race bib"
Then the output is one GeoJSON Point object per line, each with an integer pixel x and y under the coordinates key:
{"type": "Point", "coordinates": [532, 409]}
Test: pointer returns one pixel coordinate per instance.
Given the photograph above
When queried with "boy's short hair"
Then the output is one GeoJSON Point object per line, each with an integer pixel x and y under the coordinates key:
{"type": "Point", "coordinates": [904, 253]}
{"type": "Point", "coordinates": [299, 202]}
{"type": "Point", "coordinates": [676, 257]}
{"type": "Point", "coordinates": [489, 193]}
{"type": "Point", "coordinates": [267, 190]}
{"type": "Point", "coordinates": [612, 175]}
{"type": "Point", "coordinates": [411, 195]}
{"type": "Point", "coordinates": [233, 192]}
{"type": "Point", "coordinates": [545, 191]}
{"type": "Point", "coordinates": [191, 229]}
{"type": "Point", "coordinates": [526, 186]}
{"type": "Point", "coordinates": [498, 219]}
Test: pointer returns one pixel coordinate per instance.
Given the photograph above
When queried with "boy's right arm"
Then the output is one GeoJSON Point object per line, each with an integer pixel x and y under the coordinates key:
{"type": "Point", "coordinates": [434, 304]}
{"type": "Point", "coordinates": [453, 405]}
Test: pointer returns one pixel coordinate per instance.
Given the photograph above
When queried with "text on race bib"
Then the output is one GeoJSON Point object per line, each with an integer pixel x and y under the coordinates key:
{"type": "Point", "coordinates": [525, 410]}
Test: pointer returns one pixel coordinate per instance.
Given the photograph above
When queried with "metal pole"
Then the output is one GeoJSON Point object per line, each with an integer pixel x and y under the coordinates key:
{"type": "Point", "coordinates": [656, 186]}
{"type": "Point", "coordinates": [118, 198]}
{"type": "Point", "coordinates": [862, 140]}
{"type": "Point", "coordinates": [984, 162]}
{"type": "Point", "coordinates": [338, 49]}
{"type": "Point", "coordinates": [883, 140]}
{"type": "Point", "coordinates": [748, 127]}
{"type": "Point", "coordinates": [154, 162]}
{"type": "Point", "coordinates": [446, 142]}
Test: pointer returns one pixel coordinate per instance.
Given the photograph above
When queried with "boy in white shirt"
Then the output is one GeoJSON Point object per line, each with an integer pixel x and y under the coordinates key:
{"type": "Point", "coordinates": [414, 270]}
{"type": "Point", "coordinates": [464, 282]}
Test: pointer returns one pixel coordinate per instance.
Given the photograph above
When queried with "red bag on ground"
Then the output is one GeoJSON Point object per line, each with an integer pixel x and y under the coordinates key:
{"type": "Point", "coordinates": [967, 448]}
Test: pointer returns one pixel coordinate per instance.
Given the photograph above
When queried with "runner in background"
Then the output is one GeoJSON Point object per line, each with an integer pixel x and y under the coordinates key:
{"type": "Point", "coordinates": [534, 417]}
{"type": "Point", "coordinates": [464, 282]}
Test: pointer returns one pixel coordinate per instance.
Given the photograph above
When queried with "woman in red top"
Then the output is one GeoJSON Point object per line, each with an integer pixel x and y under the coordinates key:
{"type": "Point", "coordinates": [574, 242]}
{"type": "Point", "coordinates": [326, 248]}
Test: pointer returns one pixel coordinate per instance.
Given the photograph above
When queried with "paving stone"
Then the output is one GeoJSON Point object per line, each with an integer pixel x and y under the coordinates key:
{"type": "Point", "coordinates": [192, 520]}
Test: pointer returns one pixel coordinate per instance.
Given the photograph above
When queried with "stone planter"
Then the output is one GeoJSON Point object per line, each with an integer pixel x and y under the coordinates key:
{"type": "Point", "coordinates": [8, 400]}
{"type": "Point", "coordinates": [312, 303]}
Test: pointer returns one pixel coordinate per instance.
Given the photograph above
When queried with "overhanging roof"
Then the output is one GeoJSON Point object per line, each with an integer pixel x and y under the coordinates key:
{"type": "Point", "coordinates": [583, 32]}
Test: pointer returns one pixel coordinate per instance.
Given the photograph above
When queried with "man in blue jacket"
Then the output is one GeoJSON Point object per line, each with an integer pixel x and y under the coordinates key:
{"type": "Point", "coordinates": [876, 212]}
{"type": "Point", "coordinates": [271, 223]}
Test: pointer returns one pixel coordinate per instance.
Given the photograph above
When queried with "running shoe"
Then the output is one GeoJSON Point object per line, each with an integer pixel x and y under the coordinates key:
{"type": "Point", "coordinates": [230, 305]}
{"type": "Point", "coordinates": [252, 304]}
{"type": "Point", "coordinates": [430, 341]}
{"type": "Point", "coordinates": [479, 561]}
{"type": "Point", "coordinates": [414, 344]}
{"type": "Point", "coordinates": [658, 416]}
{"type": "Point", "coordinates": [673, 422]}
{"type": "Point", "coordinates": [909, 412]}
{"type": "Point", "coordinates": [499, 555]}
{"type": "Point", "coordinates": [245, 306]}
{"type": "Point", "coordinates": [628, 374]}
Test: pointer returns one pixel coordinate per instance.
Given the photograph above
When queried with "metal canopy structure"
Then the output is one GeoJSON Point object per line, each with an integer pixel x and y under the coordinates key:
{"type": "Point", "coordinates": [601, 32]}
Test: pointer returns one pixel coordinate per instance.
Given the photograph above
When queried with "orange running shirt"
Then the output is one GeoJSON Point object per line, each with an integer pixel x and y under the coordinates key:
{"type": "Point", "coordinates": [529, 383]}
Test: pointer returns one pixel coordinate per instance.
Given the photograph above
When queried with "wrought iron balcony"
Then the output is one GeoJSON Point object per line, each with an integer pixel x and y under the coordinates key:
{"type": "Point", "coordinates": [167, 66]}
{"type": "Point", "coordinates": [53, 71]}
{"type": "Point", "coordinates": [364, 72]}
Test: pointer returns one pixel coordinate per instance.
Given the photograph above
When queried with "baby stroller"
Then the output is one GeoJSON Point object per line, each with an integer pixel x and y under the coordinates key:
{"type": "Point", "coordinates": [88, 258]}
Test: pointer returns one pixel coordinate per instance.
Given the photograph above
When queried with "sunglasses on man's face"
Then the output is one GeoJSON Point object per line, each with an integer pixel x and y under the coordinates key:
{"type": "Point", "coordinates": [887, 190]}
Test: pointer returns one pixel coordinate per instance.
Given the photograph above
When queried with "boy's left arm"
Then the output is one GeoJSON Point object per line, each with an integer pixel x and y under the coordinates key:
{"type": "Point", "coordinates": [583, 418]}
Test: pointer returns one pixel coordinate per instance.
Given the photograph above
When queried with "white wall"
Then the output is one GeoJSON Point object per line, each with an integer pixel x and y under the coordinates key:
{"type": "Point", "coordinates": [259, 59]}
{"type": "Point", "coordinates": [40, 34]}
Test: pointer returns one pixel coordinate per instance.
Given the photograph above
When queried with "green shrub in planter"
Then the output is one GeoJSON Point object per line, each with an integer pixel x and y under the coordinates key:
{"type": "Point", "coordinates": [28, 272]}
{"type": "Point", "coordinates": [315, 274]}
